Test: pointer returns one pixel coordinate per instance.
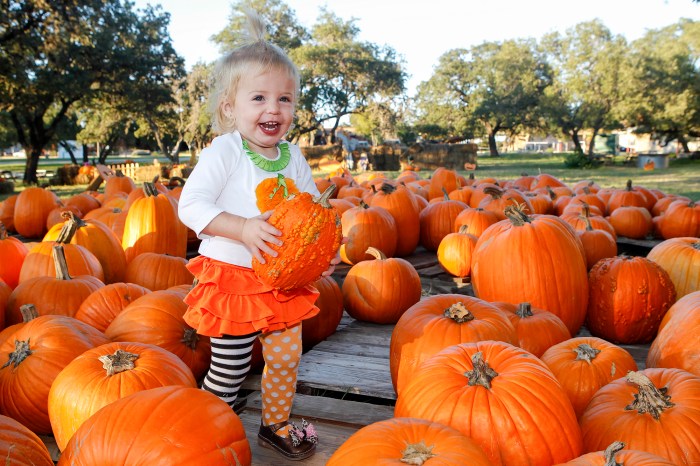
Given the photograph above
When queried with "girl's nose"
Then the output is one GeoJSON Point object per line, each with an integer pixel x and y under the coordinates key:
{"type": "Point", "coordinates": [273, 107]}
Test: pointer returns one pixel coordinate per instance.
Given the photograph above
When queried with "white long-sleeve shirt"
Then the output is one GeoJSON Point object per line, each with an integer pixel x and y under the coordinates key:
{"type": "Point", "coordinates": [224, 180]}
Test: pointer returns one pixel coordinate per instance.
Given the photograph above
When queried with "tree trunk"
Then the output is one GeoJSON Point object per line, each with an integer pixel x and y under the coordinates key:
{"type": "Point", "coordinates": [684, 143]}
{"type": "Point", "coordinates": [577, 142]}
{"type": "Point", "coordinates": [493, 148]}
{"type": "Point", "coordinates": [591, 146]}
{"type": "Point", "coordinates": [67, 147]}
{"type": "Point", "coordinates": [31, 165]}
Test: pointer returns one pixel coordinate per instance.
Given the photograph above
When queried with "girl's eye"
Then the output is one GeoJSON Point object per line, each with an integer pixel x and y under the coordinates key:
{"type": "Point", "coordinates": [285, 99]}
{"type": "Point", "coordinates": [258, 98]}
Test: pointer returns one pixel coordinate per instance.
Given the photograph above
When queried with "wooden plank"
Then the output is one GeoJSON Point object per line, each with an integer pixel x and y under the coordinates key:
{"type": "Point", "coordinates": [346, 360]}
{"type": "Point", "coordinates": [373, 351]}
{"type": "Point", "coordinates": [332, 410]}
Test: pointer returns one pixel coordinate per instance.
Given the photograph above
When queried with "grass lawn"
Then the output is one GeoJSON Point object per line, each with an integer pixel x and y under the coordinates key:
{"type": "Point", "coordinates": [682, 177]}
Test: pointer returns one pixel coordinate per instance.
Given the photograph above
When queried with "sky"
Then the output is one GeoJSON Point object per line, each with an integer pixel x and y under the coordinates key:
{"type": "Point", "coordinates": [421, 31]}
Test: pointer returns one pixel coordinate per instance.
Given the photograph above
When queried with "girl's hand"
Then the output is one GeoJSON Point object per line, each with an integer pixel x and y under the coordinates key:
{"type": "Point", "coordinates": [256, 233]}
{"type": "Point", "coordinates": [335, 261]}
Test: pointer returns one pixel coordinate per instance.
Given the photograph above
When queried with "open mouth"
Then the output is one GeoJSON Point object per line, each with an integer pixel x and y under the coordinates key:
{"type": "Point", "coordinates": [269, 127]}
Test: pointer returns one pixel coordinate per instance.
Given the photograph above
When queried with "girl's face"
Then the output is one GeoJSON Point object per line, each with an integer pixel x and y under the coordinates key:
{"type": "Point", "coordinates": [263, 109]}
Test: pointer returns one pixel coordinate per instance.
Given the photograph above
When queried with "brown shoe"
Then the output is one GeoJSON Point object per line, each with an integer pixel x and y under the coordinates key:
{"type": "Point", "coordinates": [292, 446]}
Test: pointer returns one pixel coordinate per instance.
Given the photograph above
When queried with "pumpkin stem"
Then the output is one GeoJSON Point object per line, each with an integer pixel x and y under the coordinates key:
{"type": "Point", "coordinates": [650, 399]}
{"type": "Point", "coordinates": [19, 354]}
{"type": "Point", "coordinates": [586, 190]}
{"type": "Point", "coordinates": [551, 192]}
{"type": "Point", "coordinates": [28, 312]}
{"type": "Point", "coordinates": [120, 361]}
{"type": "Point", "coordinates": [459, 313]}
{"type": "Point", "coordinates": [585, 352]}
{"type": "Point", "coordinates": [149, 189]}
{"type": "Point", "coordinates": [60, 263]}
{"type": "Point", "coordinates": [378, 254]}
{"type": "Point", "coordinates": [364, 205]}
{"type": "Point", "coordinates": [417, 453]}
{"type": "Point", "coordinates": [482, 374]}
{"type": "Point", "coordinates": [585, 210]}
{"type": "Point", "coordinates": [495, 193]}
{"type": "Point", "coordinates": [119, 174]}
{"type": "Point", "coordinates": [463, 229]}
{"type": "Point", "coordinates": [3, 232]}
{"type": "Point", "coordinates": [587, 221]}
{"type": "Point", "coordinates": [696, 245]}
{"type": "Point", "coordinates": [516, 215]}
{"type": "Point", "coordinates": [445, 193]}
{"type": "Point", "coordinates": [190, 338]}
{"type": "Point", "coordinates": [471, 175]}
{"type": "Point", "coordinates": [524, 310]}
{"type": "Point", "coordinates": [387, 188]}
{"type": "Point", "coordinates": [610, 453]}
{"type": "Point", "coordinates": [629, 185]}
{"type": "Point", "coordinates": [68, 229]}
{"type": "Point", "coordinates": [323, 199]}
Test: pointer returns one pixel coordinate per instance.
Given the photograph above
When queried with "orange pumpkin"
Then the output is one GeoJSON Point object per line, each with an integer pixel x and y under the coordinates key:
{"type": "Point", "coordinates": [380, 290]}
{"type": "Point", "coordinates": [585, 364]}
{"type": "Point", "coordinates": [441, 181]}
{"type": "Point", "coordinates": [628, 297]}
{"type": "Point", "coordinates": [515, 261]}
{"type": "Point", "coordinates": [176, 425]}
{"type": "Point", "coordinates": [271, 191]}
{"type": "Point", "coordinates": [113, 217]}
{"type": "Point", "coordinates": [157, 318]}
{"type": "Point", "coordinates": [626, 197]}
{"type": "Point", "coordinates": [13, 253]}
{"type": "Point", "coordinates": [537, 330]}
{"type": "Point", "coordinates": [330, 305]}
{"type": "Point", "coordinates": [616, 455]}
{"type": "Point", "coordinates": [631, 222]}
{"type": "Point", "coordinates": [477, 220]}
{"type": "Point", "coordinates": [105, 374]}
{"type": "Point", "coordinates": [118, 183]}
{"type": "Point", "coordinates": [100, 240]}
{"type": "Point", "coordinates": [401, 203]}
{"type": "Point", "coordinates": [20, 446]}
{"type": "Point", "coordinates": [580, 221]}
{"type": "Point", "coordinates": [32, 209]}
{"type": "Point", "coordinates": [84, 202]}
{"type": "Point", "coordinates": [152, 225]}
{"type": "Point", "coordinates": [679, 257]}
{"type": "Point", "coordinates": [158, 271]}
{"type": "Point", "coordinates": [498, 199]}
{"type": "Point", "coordinates": [61, 294]}
{"type": "Point", "coordinates": [597, 244]}
{"type": "Point", "coordinates": [494, 392]}
{"type": "Point", "coordinates": [654, 410]}
{"type": "Point", "coordinates": [311, 236]}
{"type": "Point", "coordinates": [677, 343]}
{"type": "Point", "coordinates": [438, 322]}
{"type": "Point", "coordinates": [103, 304]}
{"type": "Point", "coordinates": [409, 441]}
{"type": "Point", "coordinates": [7, 212]}
{"type": "Point", "coordinates": [455, 252]}
{"type": "Point", "coordinates": [365, 226]}
{"type": "Point", "coordinates": [437, 221]}
{"type": "Point", "coordinates": [34, 355]}
{"type": "Point", "coordinates": [681, 219]}
{"type": "Point", "coordinates": [5, 292]}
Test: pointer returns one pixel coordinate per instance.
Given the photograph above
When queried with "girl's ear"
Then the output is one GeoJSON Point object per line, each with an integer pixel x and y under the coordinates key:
{"type": "Point", "coordinates": [227, 109]}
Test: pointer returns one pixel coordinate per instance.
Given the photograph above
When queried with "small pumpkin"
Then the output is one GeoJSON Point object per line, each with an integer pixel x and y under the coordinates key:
{"type": "Point", "coordinates": [32, 209]}
{"type": "Point", "coordinates": [330, 305]}
{"type": "Point", "coordinates": [311, 236]}
{"type": "Point", "coordinates": [455, 252]}
{"type": "Point", "coordinates": [19, 446]}
{"type": "Point", "coordinates": [616, 455]}
{"type": "Point", "coordinates": [101, 307]}
{"type": "Point", "coordinates": [271, 191]}
{"type": "Point", "coordinates": [365, 226]}
{"type": "Point", "coordinates": [157, 271]}
{"type": "Point", "coordinates": [13, 252]}
{"type": "Point", "coordinates": [537, 330]}
{"type": "Point", "coordinates": [380, 290]}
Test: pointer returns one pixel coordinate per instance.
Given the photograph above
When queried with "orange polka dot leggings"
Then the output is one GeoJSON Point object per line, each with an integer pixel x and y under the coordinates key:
{"type": "Point", "coordinates": [230, 363]}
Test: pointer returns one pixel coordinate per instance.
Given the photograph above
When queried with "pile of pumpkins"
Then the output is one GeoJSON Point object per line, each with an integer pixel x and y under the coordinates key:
{"type": "Point", "coordinates": [99, 299]}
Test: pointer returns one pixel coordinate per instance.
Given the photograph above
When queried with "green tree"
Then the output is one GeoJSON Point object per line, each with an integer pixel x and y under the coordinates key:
{"type": "Point", "coordinates": [495, 85]}
{"type": "Point", "coordinates": [586, 64]}
{"type": "Point", "coordinates": [55, 54]}
{"type": "Point", "coordinates": [662, 88]}
{"type": "Point", "coordinates": [342, 75]}
{"type": "Point", "coordinates": [197, 119]}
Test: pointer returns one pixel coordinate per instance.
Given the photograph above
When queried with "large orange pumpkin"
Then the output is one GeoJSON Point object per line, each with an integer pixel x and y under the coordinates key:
{"type": "Point", "coordinates": [682, 218]}
{"type": "Point", "coordinates": [330, 305]}
{"type": "Point", "coordinates": [477, 220]}
{"type": "Point", "coordinates": [631, 221]}
{"type": "Point", "coordinates": [61, 294]}
{"type": "Point", "coordinates": [157, 318]}
{"type": "Point", "coordinates": [680, 258]}
{"type": "Point", "coordinates": [438, 220]}
{"type": "Point", "coordinates": [152, 225]}
{"type": "Point", "coordinates": [100, 240]}
{"type": "Point", "coordinates": [536, 259]}
{"type": "Point", "coordinates": [167, 425]}
{"type": "Point", "coordinates": [494, 393]}
{"type": "Point", "coordinates": [677, 343]}
{"type": "Point", "coordinates": [7, 212]}
{"type": "Point", "coordinates": [31, 210]}
{"type": "Point", "coordinates": [440, 321]}
{"type": "Point", "coordinates": [20, 446]}
{"type": "Point", "coordinates": [380, 290]}
{"type": "Point", "coordinates": [615, 455]}
{"type": "Point", "coordinates": [585, 364]}
{"type": "Point", "coordinates": [401, 204]}
{"type": "Point", "coordinates": [408, 441]}
{"type": "Point", "coordinates": [626, 197]}
{"type": "Point", "coordinates": [157, 271]}
{"type": "Point", "coordinates": [311, 236]}
{"type": "Point", "coordinates": [628, 298]}
{"type": "Point", "coordinates": [654, 410]}
{"type": "Point", "coordinates": [105, 374]}
{"type": "Point", "coordinates": [32, 357]}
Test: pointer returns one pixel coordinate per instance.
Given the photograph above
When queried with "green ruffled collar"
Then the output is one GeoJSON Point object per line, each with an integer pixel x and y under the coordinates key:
{"type": "Point", "coordinates": [266, 164]}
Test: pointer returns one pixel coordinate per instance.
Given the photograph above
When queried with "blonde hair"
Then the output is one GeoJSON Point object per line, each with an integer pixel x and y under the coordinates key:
{"type": "Point", "coordinates": [256, 55]}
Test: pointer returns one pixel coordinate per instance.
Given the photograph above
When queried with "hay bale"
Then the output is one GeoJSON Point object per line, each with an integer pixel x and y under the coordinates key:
{"type": "Point", "coordinates": [6, 187]}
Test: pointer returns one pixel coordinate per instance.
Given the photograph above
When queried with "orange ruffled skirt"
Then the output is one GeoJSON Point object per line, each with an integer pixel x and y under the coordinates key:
{"type": "Point", "coordinates": [231, 300]}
